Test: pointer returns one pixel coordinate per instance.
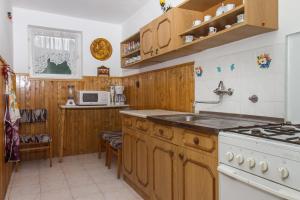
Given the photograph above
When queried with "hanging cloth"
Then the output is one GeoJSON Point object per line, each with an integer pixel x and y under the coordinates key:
{"type": "Point", "coordinates": [12, 116]}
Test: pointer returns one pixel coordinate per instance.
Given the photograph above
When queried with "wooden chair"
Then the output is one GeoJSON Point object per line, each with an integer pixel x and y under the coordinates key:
{"type": "Point", "coordinates": [36, 141]}
{"type": "Point", "coordinates": [115, 148]}
{"type": "Point", "coordinates": [103, 142]}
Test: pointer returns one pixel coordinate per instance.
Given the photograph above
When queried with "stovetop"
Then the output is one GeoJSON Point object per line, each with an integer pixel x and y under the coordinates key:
{"type": "Point", "coordinates": [287, 132]}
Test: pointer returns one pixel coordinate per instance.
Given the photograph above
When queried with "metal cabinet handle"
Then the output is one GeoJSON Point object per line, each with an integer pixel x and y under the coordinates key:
{"type": "Point", "coordinates": [156, 51]}
{"type": "Point", "coordinates": [196, 140]}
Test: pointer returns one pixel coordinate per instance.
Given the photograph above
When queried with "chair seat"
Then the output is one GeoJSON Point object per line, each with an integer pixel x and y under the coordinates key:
{"type": "Point", "coordinates": [34, 139]}
{"type": "Point", "coordinates": [116, 143]}
{"type": "Point", "coordinates": [108, 135]}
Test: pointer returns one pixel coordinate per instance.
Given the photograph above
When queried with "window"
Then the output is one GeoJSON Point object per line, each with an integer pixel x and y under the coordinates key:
{"type": "Point", "coordinates": [54, 53]}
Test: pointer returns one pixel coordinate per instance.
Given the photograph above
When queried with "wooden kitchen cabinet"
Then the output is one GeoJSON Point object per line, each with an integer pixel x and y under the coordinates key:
{"type": "Point", "coordinates": [164, 163]}
{"type": "Point", "coordinates": [164, 37]}
{"type": "Point", "coordinates": [197, 176]}
{"type": "Point", "coordinates": [128, 153]}
{"type": "Point", "coordinates": [142, 163]}
{"type": "Point", "coordinates": [147, 41]}
{"type": "Point", "coordinates": [168, 163]}
{"type": "Point", "coordinates": [161, 35]}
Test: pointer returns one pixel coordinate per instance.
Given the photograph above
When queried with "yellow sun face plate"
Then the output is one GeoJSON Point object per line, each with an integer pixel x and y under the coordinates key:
{"type": "Point", "coordinates": [101, 49]}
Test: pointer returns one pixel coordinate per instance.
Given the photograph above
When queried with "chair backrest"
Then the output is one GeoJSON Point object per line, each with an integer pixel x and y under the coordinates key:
{"type": "Point", "coordinates": [33, 115]}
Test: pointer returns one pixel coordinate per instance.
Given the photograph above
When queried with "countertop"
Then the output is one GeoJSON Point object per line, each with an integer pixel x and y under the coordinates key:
{"type": "Point", "coordinates": [148, 113]}
{"type": "Point", "coordinates": [209, 122]}
{"type": "Point", "coordinates": [92, 107]}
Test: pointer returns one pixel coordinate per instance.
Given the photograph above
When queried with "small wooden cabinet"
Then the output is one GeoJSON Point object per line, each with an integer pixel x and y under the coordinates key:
{"type": "Point", "coordinates": [197, 176]}
{"type": "Point", "coordinates": [164, 163]}
{"type": "Point", "coordinates": [147, 41]}
{"type": "Point", "coordinates": [161, 35]}
{"type": "Point", "coordinates": [168, 163]}
{"type": "Point", "coordinates": [142, 163]}
{"type": "Point", "coordinates": [128, 153]}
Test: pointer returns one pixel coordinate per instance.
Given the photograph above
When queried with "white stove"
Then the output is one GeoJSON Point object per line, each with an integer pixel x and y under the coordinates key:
{"type": "Point", "coordinates": [260, 163]}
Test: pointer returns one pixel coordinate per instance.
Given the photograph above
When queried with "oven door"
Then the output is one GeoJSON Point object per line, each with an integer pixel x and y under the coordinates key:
{"type": "Point", "coordinates": [239, 185]}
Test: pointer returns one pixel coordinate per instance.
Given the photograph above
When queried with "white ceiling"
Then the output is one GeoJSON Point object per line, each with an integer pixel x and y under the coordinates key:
{"type": "Point", "coordinates": [112, 11]}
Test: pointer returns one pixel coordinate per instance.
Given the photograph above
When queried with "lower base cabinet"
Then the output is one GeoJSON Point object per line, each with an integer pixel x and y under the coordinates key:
{"type": "Point", "coordinates": [164, 163]}
{"type": "Point", "coordinates": [159, 169]}
{"type": "Point", "coordinates": [197, 176]}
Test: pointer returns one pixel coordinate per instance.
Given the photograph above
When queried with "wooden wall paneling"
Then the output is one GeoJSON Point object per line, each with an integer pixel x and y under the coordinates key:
{"type": "Point", "coordinates": [81, 126]}
{"type": "Point", "coordinates": [169, 88]}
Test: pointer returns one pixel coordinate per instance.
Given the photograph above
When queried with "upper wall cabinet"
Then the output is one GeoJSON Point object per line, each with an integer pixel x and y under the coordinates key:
{"type": "Point", "coordinates": [173, 34]}
{"type": "Point", "coordinates": [161, 35]}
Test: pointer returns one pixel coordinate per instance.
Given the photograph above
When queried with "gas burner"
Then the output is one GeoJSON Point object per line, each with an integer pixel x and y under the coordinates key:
{"type": "Point", "coordinates": [294, 139]}
{"type": "Point", "coordinates": [256, 131]}
{"type": "Point", "coordinates": [286, 132]}
{"type": "Point", "coordinates": [288, 128]}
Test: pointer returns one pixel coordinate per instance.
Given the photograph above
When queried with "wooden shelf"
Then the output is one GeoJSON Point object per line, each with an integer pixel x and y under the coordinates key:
{"type": "Point", "coordinates": [132, 53]}
{"type": "Point", "coordinates": [260, 17]}
{"type": "Point", "coordinates": [219, 22]}
{"type": "Point", "coordinates": [133, 65]}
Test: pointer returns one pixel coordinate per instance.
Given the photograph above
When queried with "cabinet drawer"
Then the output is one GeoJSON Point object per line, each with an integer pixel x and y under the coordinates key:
{"type": "Point", "coordinates": [199, 141]}
{"type": "Point", "coordinates": [142, 124]}
{"type": "Point", "coordinates": [163, 132]}
{"type": "Point", "coordinates": [128, 122]}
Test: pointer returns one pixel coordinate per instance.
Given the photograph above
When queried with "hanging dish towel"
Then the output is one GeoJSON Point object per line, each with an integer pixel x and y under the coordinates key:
{"type": "Point", "coordinates": [12, 116]}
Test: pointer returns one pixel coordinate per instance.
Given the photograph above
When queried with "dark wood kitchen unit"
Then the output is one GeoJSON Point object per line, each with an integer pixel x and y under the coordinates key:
{"type": "Point", "coordinates": [168, 163]}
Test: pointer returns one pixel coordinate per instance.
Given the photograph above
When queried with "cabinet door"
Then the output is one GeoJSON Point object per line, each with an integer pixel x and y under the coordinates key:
{"type": "Point", "coordinates": [147, 41]}
{"type": "Point", "coordinates": [164, 33]}
{"type": "Point", "coordinates": [142, 157]}
{"type": "Point", "coordinates": [197, 176]}
{"type": "Point", "coordinates": [128, 153]}
{"type": "Point", "coordinates": [163, 170]}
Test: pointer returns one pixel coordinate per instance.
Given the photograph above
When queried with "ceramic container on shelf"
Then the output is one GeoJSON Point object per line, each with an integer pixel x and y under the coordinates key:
{"type": "Point", "coordinates": [207, 18]}
{"type": "Point", "coordinates": [240, 18]}
{"type": "Point", "coordinates": [221, 10]}
{"type": "Point", "coordinates": [212, 30]}
{"type": "Point", "coordinates": [229, 7]}
{"type": "Point", "coordinates": [188, 38]}
{"type": "Point", "coordinates": [197, 22]}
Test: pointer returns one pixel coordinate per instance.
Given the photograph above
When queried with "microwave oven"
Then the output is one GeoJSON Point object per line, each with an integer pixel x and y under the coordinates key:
{"type": "Point", "coordinates": [92, 98]}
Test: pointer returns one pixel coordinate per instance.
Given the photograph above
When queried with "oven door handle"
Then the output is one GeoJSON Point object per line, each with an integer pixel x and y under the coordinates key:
{"type": "Point", "coordinates": [279, 193]}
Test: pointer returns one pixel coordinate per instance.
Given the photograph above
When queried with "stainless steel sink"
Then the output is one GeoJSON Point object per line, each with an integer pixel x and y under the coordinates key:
{"type": "Point", "coordinates": [186, 118]}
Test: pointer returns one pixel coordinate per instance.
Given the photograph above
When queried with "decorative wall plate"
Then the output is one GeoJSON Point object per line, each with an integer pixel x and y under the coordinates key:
{"type": "Point", "coordinates": [101, 49]}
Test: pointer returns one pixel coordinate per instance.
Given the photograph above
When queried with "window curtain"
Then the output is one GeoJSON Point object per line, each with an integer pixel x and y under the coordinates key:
{"type": "Point", "coordinates": [55, 46]}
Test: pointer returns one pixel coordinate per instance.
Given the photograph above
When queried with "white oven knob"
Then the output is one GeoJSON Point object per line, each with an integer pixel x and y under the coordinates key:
{"type": "Point", "coordinates": [251, 163]}
{"type": "Point", "coordinates": [263, 166]}
{"type": "Point", "coordinates": [229, 156]}
{"type": "Point", "coordinates": [284, 172]}
{"type": "Point", "coordinates": [240, 159]}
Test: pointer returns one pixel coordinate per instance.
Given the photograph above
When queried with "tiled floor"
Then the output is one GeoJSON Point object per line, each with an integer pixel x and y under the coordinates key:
{"type": "Point", "coordinates": [82, 177]}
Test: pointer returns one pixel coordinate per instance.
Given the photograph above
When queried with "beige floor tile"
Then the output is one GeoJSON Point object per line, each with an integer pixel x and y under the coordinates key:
{"type": "Point", "coordinates": [25, 189]}
{"type": "Point", "coordinates": [57, 195]}
{"type": "Point", "coordinates": [52, 185]}
{"type": "Point", "coordinates": [82, 177]}
{"type": "Point", "coordinates": [25, 197]}
{"type": "Point", "coordinates": [82, 191]}
{"type": "Point", "coordinates": [26, 180]}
